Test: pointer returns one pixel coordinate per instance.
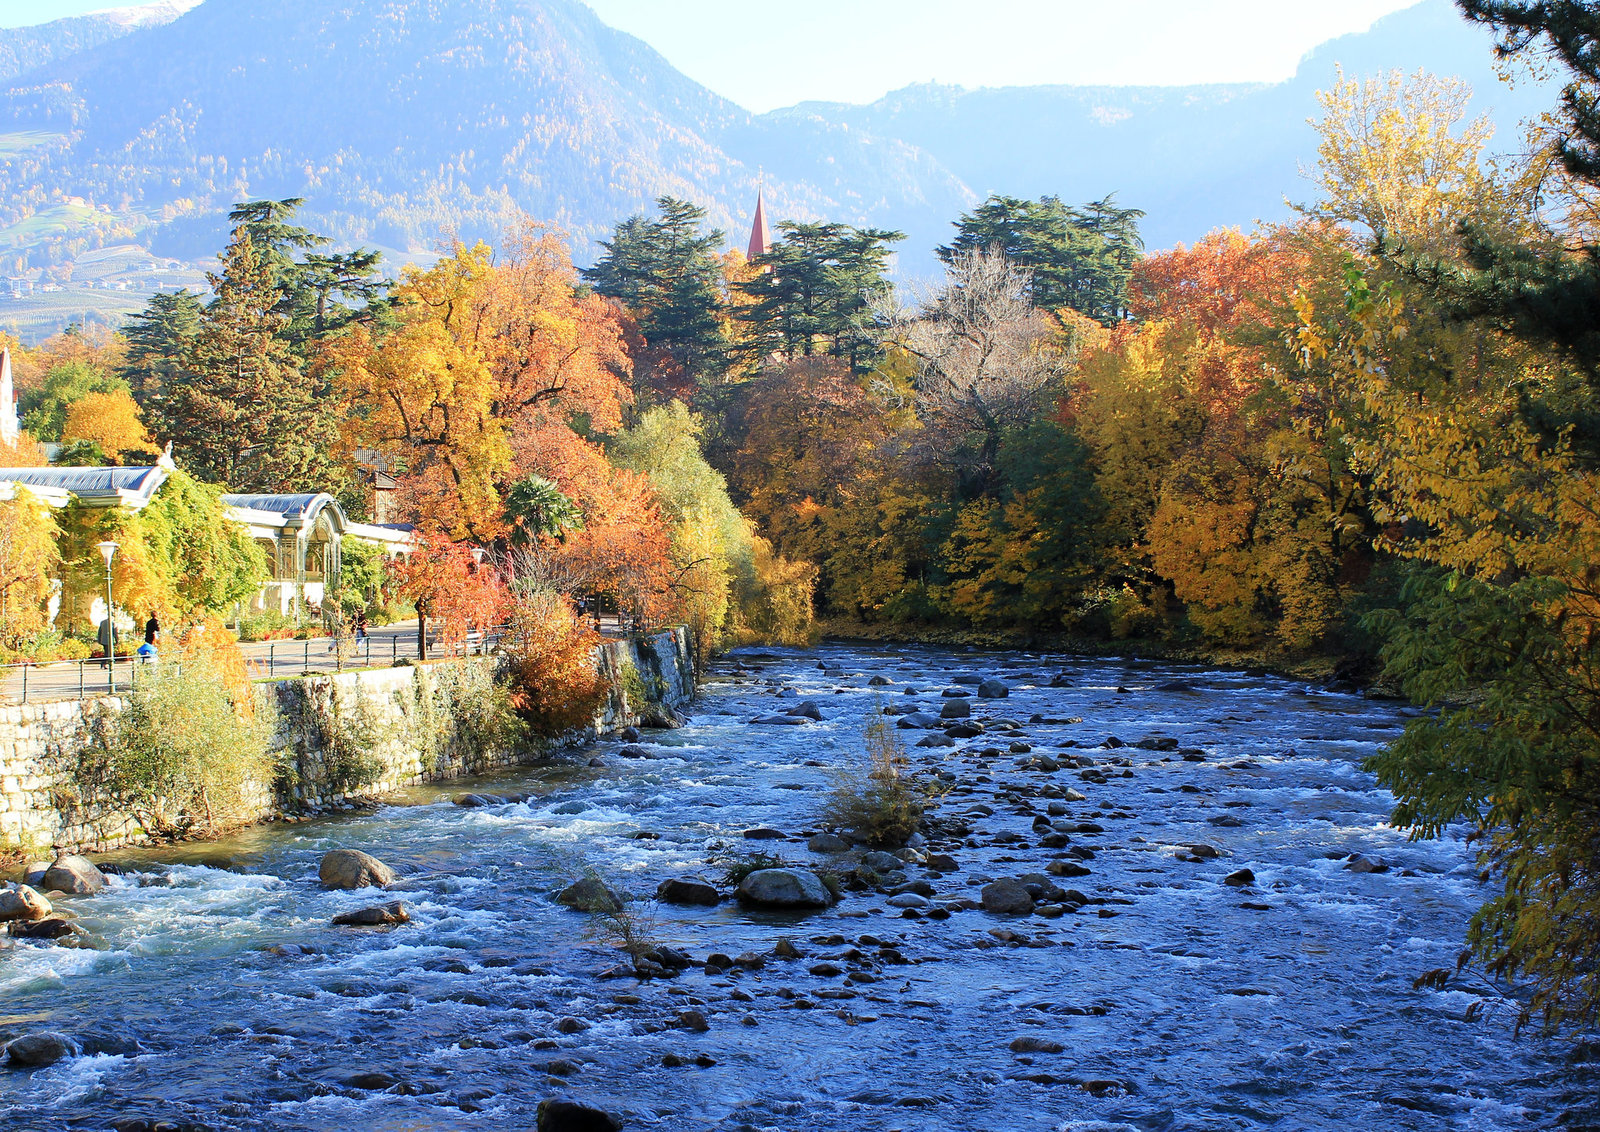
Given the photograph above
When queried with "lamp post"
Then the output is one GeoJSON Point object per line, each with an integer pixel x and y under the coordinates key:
{"type": "Point", "coordinates": [107, 549]}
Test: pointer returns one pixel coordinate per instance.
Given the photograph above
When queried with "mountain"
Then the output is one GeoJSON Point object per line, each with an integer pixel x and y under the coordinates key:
{"type": "Point", "coordinates": [29, 48]}
{"type": "Point", "coordinates": [402, 118]}
{"type": "Point", "coordinates": [125, 137]}
{"type": "Point", "coordinates": [1193, 157]}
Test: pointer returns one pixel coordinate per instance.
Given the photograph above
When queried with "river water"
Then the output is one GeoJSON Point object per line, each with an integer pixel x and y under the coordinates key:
{"type": "Point", "coordinates": [219, 994]}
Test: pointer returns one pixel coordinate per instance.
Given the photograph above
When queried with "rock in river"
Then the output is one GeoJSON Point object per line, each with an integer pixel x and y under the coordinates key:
{"type": "Point", "coordinates": [993, 690]}
{"type": "Point", "coordinates": [1031, 1044]}
{"type": "Point", "coordinates": [780, 720]}
{"type": "Point", "coordinates": [590, 894]}
{"type": "Point", "coordinates": [828, 843]}
{"type": "Point", "coordinates": [806, 710]}
{"type": "Point", "coordinates": [351, 868]}
{"type": "Point", "coordinates": [23, 903]}
{"type": "Point", "coordinates": [561, 1115]}
{"type": "Point", "coordinates": [36, 1050]}
{"type": "Point", "coordinates": [1006, 897]}
{"type": "Point", "coordinates": [73, 874]}
{"type": "Point", "coordinates": [918, 719]}
{"type": "Point", "coordinates": [687, 890]}
{"type": "Point", "coordinates": [1239, 879]}
{"type": "Point", "coordinates": [379, 915]}
{"type": "Point", "coordinates": [785, 888]}
{"type": "Point", "coordinates": [955, 709]}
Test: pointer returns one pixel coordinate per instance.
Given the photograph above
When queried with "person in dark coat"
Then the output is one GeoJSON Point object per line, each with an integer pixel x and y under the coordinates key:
{"type": "Point", "coordinates": [152, 630]}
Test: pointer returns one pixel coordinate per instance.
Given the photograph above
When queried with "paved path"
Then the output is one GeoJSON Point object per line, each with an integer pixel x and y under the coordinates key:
{"type": "Point", "coordinates": [267, 660]}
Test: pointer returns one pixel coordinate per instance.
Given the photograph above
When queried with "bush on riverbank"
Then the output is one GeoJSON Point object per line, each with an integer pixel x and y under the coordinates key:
{"type": "Point", "coordinates": [555, 686]}
{"type": "Point", "coordinates": [186, 753]}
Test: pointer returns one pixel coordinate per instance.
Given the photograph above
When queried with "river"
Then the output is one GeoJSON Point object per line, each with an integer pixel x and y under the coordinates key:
{"type": "Point", "coordinates": [218, 993]}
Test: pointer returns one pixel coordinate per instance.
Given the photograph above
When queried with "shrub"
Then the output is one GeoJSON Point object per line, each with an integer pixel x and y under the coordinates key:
{"type": "Point", "coordinates": [268, 625]}
{"type": "Point", "coordinates": [881, 802]}
{"type": "Point", "coordinates": [555, 683]}
{"type": "Point", "coordinates": [183, 755]}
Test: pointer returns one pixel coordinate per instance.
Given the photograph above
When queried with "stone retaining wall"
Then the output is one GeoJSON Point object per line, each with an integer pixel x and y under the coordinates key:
{"type": "Point", "coordinates": [403, 711]}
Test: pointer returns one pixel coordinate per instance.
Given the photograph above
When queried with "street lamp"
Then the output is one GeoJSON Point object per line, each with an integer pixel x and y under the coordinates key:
{"type": "Point", "coordinates": [107, 549]}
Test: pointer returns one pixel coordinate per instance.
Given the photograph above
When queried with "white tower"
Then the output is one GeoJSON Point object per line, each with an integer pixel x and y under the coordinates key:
{"type": "Point", "coordinates": [9, 429]}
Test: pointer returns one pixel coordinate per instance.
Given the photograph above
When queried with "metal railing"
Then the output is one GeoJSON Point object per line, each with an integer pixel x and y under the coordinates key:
{"type": "Point", "coordinates": [264, 660]}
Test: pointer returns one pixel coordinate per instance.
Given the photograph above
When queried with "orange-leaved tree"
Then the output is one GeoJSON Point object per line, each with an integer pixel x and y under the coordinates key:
{"type": "Point", "coordinates": [445, 582]}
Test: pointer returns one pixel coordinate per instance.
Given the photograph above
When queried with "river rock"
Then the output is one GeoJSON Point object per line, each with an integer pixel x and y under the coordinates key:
{"type": "Point", "coordinates": [806, 710]}
{"type": "Point", "coordinates": [633, 751]}
{"type": "Point", "coordinates": [780, 720]}
{"type": "Point", "coordinates": [964, 730]}
{"type": "Point", "coordinates": [763, 833]}
{"type": "Point", "coordinates": [377, 916]}
{"type": "Point", "coordinates": [879, 682]}
{"type": "Point", "coordinates": [993, 690]}
{"type": "Point", "coordinates": [23, 903]}
{"type": "Point", "coordinates": [955, 709]}
{"type": "Point", "coordinates": [687, 890]}
{"type": "Point", "coordinates": [908, 900]}
{"type": "Point", "coordinates": [629, 734]}
{"type": "Point", "coordinates": [918, 719]}
{"type": "Point", "coordinates": [785, 888]}
{"type": "Point", "coordinates": [590, 894]}
{"type": "Point", "coordinates": [1360, 864]}
{"type": "Point", "coordinates": [1239, 879]}
{"type": "Point", "coordinates": [828, 843]}
{"type": "Point", "coordinates": [1006, 897]}
{"type": "Point", "coordinates": [559, 1114]}
{"type": "Point", "coordinates": [351, 868]}
{"type": "Point", "coordinates": [936, 741]}
{"type": "Point", "coordinates": [52, 927]}
{"type": "Point", "coordinates": [1031, 1044]}
{"type": "Point", "coordinates": [474, 801]}
{"type": "Point", "coordinates": [661, 716]}
{"type": "Point", "coordinates": [36, 1050]}
{"type": "Point", "coordinates": [73, 874]}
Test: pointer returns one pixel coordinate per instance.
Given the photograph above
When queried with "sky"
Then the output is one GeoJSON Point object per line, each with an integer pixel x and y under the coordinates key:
{"type": "Point", "coordinates": [764, 54]}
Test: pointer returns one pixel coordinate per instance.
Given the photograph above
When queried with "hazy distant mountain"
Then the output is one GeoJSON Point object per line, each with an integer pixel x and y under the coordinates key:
{"type": "Point", "coordinates": [402, 119]}
{"type": "Point", "coordinates": [1194, 157]}
{"type": "Point", "coordinates": [26, 49]}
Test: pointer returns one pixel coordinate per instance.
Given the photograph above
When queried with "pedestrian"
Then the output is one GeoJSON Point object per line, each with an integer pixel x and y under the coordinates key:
{"type": "Point", "coordinates": [152, 630]}
{"type": "Point", "coordinates": [108, 638]}
{"type": "Point", "coordinates": [361, 624]}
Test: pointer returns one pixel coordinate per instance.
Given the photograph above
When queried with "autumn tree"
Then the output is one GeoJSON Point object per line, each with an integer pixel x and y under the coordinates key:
{"type": "Point", "coordinates": [28, 561]}
{"type": "Point", "coordinates": [485, 359]}
{"type": "Point", "coordinates": [986, 360]}
{"type": "Point", "coordinates": [111, 421]}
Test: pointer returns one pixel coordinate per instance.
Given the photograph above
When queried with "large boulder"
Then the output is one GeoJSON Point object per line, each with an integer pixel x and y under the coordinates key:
{"type": "Point", "coordinates": [380, 915]}
{"type": "Point", "coordinates": [23, 903]}
{"type": "Point", "coordinates": [36, 1050]}
{"type": "Point", "coordinates": [993, 690]}
{"type": "Point", "coordinates": [828, 843]}
{"type": "Point", "coordinates": [785, 888]}
{"type": "Point", "coordinates": [73, 874]}
{"type": "Point", "coordinates": [1006, 897]}
{"type": "Point", "coordinates": [687, 890]}
{"type": "Point", "coordinates": [807, 710]}
{"type": "Point", "coordinates": [351, 868]}
{"type": "Point", "coordinates": [955, 709]}
{"type": "Point", "coordinates": [590, 894]}
{"type": "Point", "coordinates": [561, 1115]}
{"type": "Point", "coordinates": [918, 719]}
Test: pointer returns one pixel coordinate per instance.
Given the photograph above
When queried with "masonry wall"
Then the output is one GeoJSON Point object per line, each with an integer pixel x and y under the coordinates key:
{"type": "Point", "coordinates": [405, 712]}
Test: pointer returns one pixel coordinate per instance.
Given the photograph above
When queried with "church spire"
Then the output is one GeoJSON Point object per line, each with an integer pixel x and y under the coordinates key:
{"type": "Point", "coordinates": [760, 234]}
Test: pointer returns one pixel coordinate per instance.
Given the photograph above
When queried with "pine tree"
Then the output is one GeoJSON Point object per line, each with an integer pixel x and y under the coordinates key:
{"type": "Point", "coordinates": [1081, 258]}
{"type": "Point", "coordinates": [667, 274]}
{"type": "Point", "coordinates": [814, 292]}
{"type": "Point", "coordinates": [241, 413]}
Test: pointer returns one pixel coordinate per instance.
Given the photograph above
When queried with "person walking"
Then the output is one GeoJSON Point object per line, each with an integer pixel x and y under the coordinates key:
{"type": "Point", "coordinates": [152, 630]}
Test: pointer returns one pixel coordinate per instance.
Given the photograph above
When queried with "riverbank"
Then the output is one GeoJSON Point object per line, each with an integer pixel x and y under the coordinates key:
{"type": "Point", "coordinates": [338, 738]}
{"type": "Point", "coordinates": [1314, 668]}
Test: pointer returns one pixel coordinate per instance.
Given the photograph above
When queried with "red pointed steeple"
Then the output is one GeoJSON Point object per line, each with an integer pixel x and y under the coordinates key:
{"type": "Point", "coordinates": [760, 234]}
